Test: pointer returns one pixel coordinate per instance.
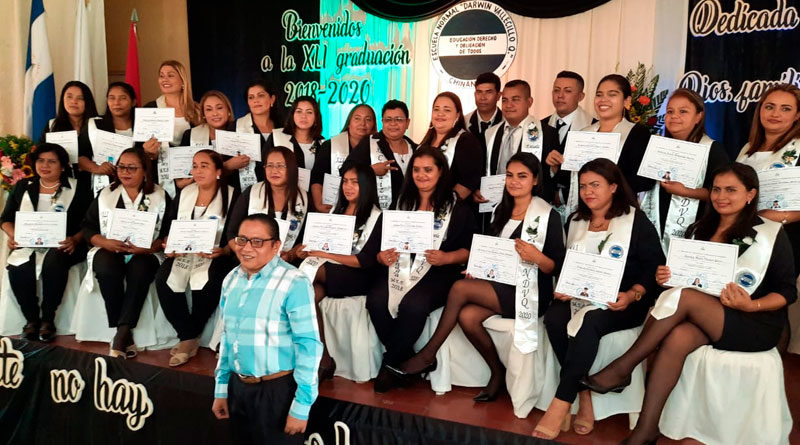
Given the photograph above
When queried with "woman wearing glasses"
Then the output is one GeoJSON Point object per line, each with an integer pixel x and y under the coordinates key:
{"type": "Point", "coordinates": [388, 152]}
{"type": "Point", "coordinates": [360, 123]}
{"type": "Point", "coordinates": [279, 196]}
{"type": "Point", "coordinates": [207, 198]}
{"type": "Point", "coordinates": [335, 275]}
{"type": "Point", "coordinates": [123, 270]}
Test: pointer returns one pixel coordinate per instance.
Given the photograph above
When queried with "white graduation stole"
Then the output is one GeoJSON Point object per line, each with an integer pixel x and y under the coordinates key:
{"type": "Point", "coordinates": [526, 303]}
{"type": "Point", "coordinates": [295, 216]}
{"type": "Point", "coordinates": [530, 142]}
{"type": "Point", "coordinates": [384, 182]}
{"type": "Point", "coordinates": [785, 157]}
{"type": "Point", "coordinates": [624, 129]}
{"type": "Point", "coordinates": [448, 148]}
{"type": "Point", "coordinates": [192, 269]}
{"type": "Point", "coordinates": [162, 165]}
{"type": "Point", "coordinates": [751, 268]}
{"type": "Point", "coordinates": [281, 139]}
{"type": "Point", "coordinates": [22, 255]}
{"type": "Point", "coordinates": [617, 245]}
{"type": "Point", "coordinates": [247, 174]}
{"type": "Point", "coordinates": [404, 275]}
{"type": "Point", "coordinates": [311, 264]}
{"type": "Point", "coordinates": [98, 181]}
{"type": "Point", "coordinates": [682, 210]}
{"type": "Point", "coordinates": [340, 149]}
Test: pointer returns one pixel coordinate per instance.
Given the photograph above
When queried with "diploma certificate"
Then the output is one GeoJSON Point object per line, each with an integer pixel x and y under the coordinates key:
{"type": "Point", "coordinates": [40, 229]}
{"type": "Point", "coordinates": [108, 146]}
{"type": "Point", "coordinates": [591, 277]}
{"type": "Point", "coordinates": [492, 189]}
{"type": "Point", "coordinates": [668, 159]}
{"type": "Point", "coordinates": [330, 233]}
{"type": "Point", "coordinates": [494, 259]}
{"type": "Point", "coordinates": [407, 231]}
{"type": "Point", "coordinates": [192, 236]}
{"type": "Point", "coordinates": [778, 189]}
{"type": "Point", "coordinates": [133, 226]}
{"type": "Point", "coordinates": [154, 122]}
{"type": "Point", "coordinates": [66, 139]}
{"type": "Point", "coordinates": [180, 161]}
{"type": "Point", "coordinates": [584, 146]}
{"type": "Point", "coordinates": [330, 189]}
{"type": "Point", "coordinates": [304, 178]}
{"type": "Point", "coordinates": [231, 143]}
{"type": "Point", "coordinates": [704, 265]}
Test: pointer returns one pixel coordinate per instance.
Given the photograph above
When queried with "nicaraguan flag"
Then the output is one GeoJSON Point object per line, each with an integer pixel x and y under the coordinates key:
{"type": "Point", "coordinates": [40, 89]}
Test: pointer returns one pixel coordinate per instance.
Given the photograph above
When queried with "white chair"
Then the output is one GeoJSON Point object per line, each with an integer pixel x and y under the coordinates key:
{"type": "Point", "coordinates": [727, 397]}
{"type": "Point", "coordinates": [90, 321]}
{"type": "Point", "coordinates": [525, 373]}
{"type": "Point", "coordinates": [11, 319]}
{"type": "Point", "coordinates": [167, 337]}
{"type": "Point", "coordinates": [459, 363]}
{"type": "Point", "coordinates": [611, 347]}
{"type": "Point", "coordinates": [350, 338]}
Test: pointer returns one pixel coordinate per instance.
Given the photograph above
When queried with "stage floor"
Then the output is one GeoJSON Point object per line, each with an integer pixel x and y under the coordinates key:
{"type": "Point", "coordinates": [455, 406]}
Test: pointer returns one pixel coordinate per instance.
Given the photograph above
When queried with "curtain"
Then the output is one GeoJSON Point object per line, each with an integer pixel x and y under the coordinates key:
{"type": "Point", "coordinates": [411, 10]}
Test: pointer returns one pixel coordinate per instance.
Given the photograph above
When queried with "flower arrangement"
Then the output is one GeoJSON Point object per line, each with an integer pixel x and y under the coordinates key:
{"type": "Point", "coordinates": [14, 151]}
{"type": "Point", "coordinates": [645, 102]}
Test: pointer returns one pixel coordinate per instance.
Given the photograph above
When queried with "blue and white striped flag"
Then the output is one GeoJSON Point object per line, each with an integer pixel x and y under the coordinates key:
{"type": "Point", "coordinates": [40, 89]}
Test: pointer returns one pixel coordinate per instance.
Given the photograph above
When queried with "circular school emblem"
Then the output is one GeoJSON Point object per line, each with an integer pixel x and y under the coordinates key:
{"type": "Point", "coordinates": [437, 224]}
{"type": "Point", "coordinates": [745, 279]}
{"type": "Point", "coordinates": [293, 224]}
{"type": "Point", "coordinates": [616, 251]}
{"type": "Point", "coordinates": [473, 38]}
{"type": "Point", "coordinates": [777, 165]}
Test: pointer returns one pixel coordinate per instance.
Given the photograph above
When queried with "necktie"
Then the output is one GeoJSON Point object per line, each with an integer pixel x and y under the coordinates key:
{"type": "Point", "coordinates": [483, 127]}
{"type": "Point", "coordinates": [559, 125]}
{"type": "Point", "coordinates": [507, 149]}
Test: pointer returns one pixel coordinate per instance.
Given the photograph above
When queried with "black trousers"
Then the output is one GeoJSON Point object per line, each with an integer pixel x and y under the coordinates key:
{"type": "Point", "coordinates": [124, 286]}
{"type": "Point", "coordinates": [399, 334]}
{"type": "Point", "coordinates": [55, 270]}
{"type": "Point", "coordinates": [577, 354]}
{"type": "Point", "coordinates": [190, 324]}
{"type": "Point", "coordinates": [258, 411]}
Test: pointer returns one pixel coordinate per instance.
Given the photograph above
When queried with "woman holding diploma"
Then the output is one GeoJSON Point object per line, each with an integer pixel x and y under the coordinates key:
{"type": "Point", "coordinates": [302, 132]}
{"type": "Point", "coordinates": [536, 228]}
{"type": "Point", "coordinates": [49, 190]}
{"type": "Point", "coordinates": [748, 316]}
{"type": "Point", "coordinates": [279, 196]}
{"type": "Point", "coordinates": [608, 222]}
{"type": "Point", "coordinates": [611, 102]}
{"type": "Point", "coordinates": [413, 285]}
{"type": "Point", "coordinates": [176, 92]}
{"type": "Point", "coordinates": [124, 271]}
{"type": "Point", "coordinates": [261, 101]}
{"type": "Point", "coordinates": [774, 143]}
{"type": "Point", "coordinates": [671, 205]}
{"type": "Point", "coordinates": [448, 133]}
{"type": "Point", "coordinates": [208, 197]}
{"type": "Point", "coordinates": [338, 276]}
{"type": "Point", "coordinates": [359, 125]}
{"type": "Point", "coordinates": [120, 103]}
{"type": "Point", "coordinates": [388, 152]}
{"type": "Point", "coordinates": [217, 115]}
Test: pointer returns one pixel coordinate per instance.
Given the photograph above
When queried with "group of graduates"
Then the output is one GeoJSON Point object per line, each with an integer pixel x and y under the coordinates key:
{"type": "Point", "coordinates": [605, 208]}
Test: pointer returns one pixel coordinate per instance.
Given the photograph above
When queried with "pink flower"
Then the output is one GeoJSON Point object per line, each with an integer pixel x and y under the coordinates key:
{"type": "Point", "coordinates": [5, 163]}
{"type": "Point", "coordinates": [16, 175]}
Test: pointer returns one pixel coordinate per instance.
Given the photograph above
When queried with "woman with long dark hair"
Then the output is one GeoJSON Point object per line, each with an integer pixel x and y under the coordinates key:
{"type": "Point", "coordinates": [279, 196]}
{"type": "Point", "coordinates": [448, 132]}
{"type": "Point", "coordinates": [536, 228]}
{"type": "Point", "coordinates": [302, 132]}
{"type": "Point", "coordinates": [124, 271]}
{"type": "Point", "coordinates": [411, 286]}
{"type": "Point", "coordinates": [749, 314]}
{"type": "Point", "coordinates": [608, 222]}
{"type": "Point", "coordinates": [360, 124]}
{"type": "Point", "coordinates": [336, 275]}
{"type": "Point", "coordinates": [263, 115]}
{"type": "Point", "coordinates": [75, 107]}
{"type": "Point", "coordinates": [206, 198]}
{"type": "Point", "coordinates": [49, 190]}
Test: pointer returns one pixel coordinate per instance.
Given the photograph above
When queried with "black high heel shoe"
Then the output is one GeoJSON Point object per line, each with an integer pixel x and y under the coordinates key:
{"type": "Point", "coordinates": [424, 372]}
{"type": "Point", "coordinates": [587, 383]}
{"type": "Point", "coordinates": [486, 396]}
{"type": "Point", "coordinates": [653, 441]}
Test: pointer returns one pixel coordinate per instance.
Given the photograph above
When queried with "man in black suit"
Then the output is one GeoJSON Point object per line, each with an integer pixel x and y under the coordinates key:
{"type": "Point", "coordinates": [487, 93]}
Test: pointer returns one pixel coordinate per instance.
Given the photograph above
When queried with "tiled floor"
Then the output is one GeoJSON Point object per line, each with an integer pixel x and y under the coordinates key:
{"type": "Point", "coordinates": [457, 405]}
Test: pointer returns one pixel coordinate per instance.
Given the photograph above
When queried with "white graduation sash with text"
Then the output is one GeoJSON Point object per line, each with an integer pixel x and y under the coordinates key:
{"type": "Point", "coordinates": [340, 149]}
{"type": "Point", "coordinates": [247, 174]}
{"type": "Point", "coordinates": [384, 183]}
{"type": "Point", "coordinates": [295, 216]}
{"type": "Point", "coordinates": [787, 156]}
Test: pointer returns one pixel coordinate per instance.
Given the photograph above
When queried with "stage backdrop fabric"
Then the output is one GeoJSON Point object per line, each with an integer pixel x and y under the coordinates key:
{"type": "Point", "coordinates": [410, 10]}
{"type": "Point", "coordinates": [291, 48]}
{"type": "Point", "coordinates": [735, 51]}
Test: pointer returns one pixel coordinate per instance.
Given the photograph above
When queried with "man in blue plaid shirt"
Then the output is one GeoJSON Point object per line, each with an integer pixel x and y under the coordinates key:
{"type": "Point", "coordinates": [266, 378]}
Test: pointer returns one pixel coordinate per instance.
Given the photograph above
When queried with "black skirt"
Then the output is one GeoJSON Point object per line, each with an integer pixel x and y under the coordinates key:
{"type": "Point", "coordinates": [344, 281]}
{"type": "Point", "coordinates": [743, 332]}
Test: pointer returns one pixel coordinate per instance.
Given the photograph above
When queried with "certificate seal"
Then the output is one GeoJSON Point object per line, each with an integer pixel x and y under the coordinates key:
{"type": "Point", "coordinates": [473, 38]}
